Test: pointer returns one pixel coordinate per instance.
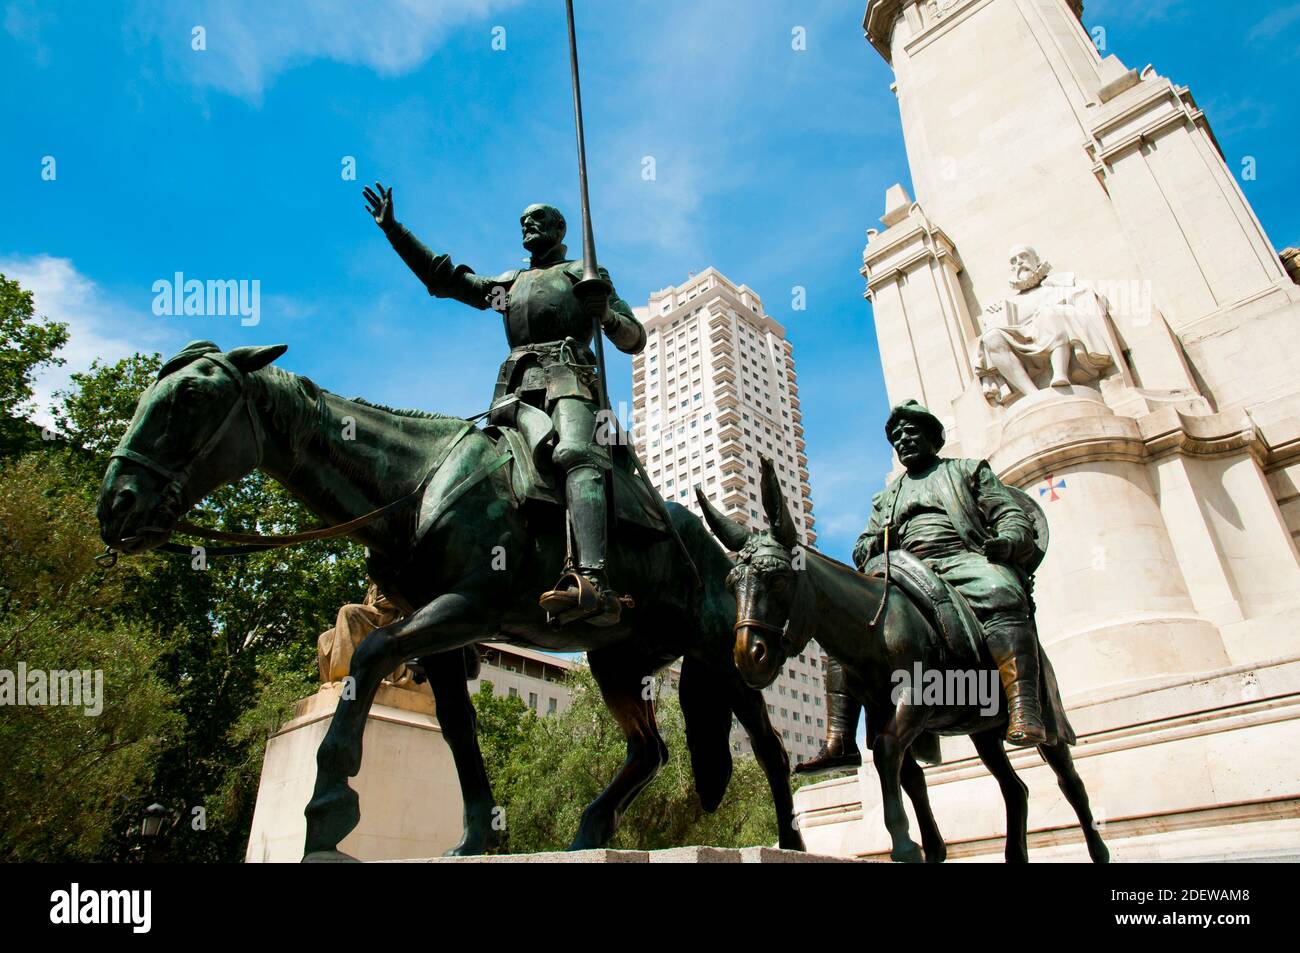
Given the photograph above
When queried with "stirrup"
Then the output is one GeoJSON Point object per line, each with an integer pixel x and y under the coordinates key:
{"type": "Point", "coordinates": [1024, 729]}
{"type": "Point", "coordinates": [575, 598]}
{"type": "Point", "coordinates": [824, 762]}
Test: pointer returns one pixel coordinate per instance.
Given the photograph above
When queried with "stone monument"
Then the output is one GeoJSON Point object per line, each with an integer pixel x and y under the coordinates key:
{"type": "Point", "coordinates": [407, 782]}
{"type": "Point", "coordinates": [1148, 398]}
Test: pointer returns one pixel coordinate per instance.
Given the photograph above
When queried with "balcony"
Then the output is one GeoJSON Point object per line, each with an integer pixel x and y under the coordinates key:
{"type": "Point", "coordinates": [803, 474]}
{"type": "Point", "coordinates": [719, 318]}
{"type": "Point", "coordinates": [803, 461]}
{"type": "Point", "coordinates": [725, 375]}
{"type": "Point", "coordinates": [796, 417]}
{"type": "Point", "coordinates": [728, 416]}
{"type": "Point", "coordinates": [733, 465]}
{"type": "Point", "coordinates": [734, 481]}
{"type": "Point", "coordinates": [729, 433]}
{"type": "Point", "coordinates": [721, 335]}
{"type": "Point", "coordinates": [794, 402]}
{"type": "Point", "coordinates": [725, 397]}
{"type": "Point", "coordinates": [722, 359]}
{"type": "Point", "coordinates": [735, 500]}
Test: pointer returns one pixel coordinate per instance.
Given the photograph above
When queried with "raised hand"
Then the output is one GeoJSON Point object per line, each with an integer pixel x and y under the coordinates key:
{"type": "Point", "coordinates": [380, 205]}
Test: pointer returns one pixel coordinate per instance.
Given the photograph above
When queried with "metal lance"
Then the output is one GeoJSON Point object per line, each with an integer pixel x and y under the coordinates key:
{"type": "Point", "coordinates": [591, 286]}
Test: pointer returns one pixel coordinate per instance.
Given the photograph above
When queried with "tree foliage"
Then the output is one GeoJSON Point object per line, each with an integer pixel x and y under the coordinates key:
{"type": "Point", "coordinates": [545, 771]}
{"type": "Point", "coordinates": [27, 345]}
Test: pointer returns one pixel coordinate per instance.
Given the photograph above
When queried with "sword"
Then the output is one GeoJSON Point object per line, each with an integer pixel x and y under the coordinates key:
{"type": "Point", "coordinates": [592, 285]}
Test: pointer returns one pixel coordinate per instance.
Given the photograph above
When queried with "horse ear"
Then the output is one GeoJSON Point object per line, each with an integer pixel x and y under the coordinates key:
{"type": "Point", "coordinates": [249, 359]}
{"type": "Point", "coordinates": [729, 532]}
{"type": "Point", "coordinates": [778, 514]}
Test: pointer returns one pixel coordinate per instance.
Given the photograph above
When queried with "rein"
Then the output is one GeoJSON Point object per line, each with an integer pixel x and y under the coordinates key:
{"type": "Point", "coordinates": [257, 542]}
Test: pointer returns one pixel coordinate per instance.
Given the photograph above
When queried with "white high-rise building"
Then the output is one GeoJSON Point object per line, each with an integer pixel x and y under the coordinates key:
{"type": "Point", "coordinates": [713, 391]}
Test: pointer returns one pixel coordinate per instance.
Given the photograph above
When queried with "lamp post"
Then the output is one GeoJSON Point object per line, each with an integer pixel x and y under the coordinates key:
{"type": "Point", "coordinates": [153, 832]}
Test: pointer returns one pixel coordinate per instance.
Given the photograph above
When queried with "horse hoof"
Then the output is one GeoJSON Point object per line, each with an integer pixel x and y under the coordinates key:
{"type": "Point", "coordinates": [906, 855]}
{"type": "Point", "coordinates": [329, 857]}
{"type": "Point", "coordinates": [331, 817]}
{"type": "Point", "coordinates": [471, 845]}
{"type": "Point", "coordinates": [936, 855]}
{"type": "Point", "coordinates": [791, 840]}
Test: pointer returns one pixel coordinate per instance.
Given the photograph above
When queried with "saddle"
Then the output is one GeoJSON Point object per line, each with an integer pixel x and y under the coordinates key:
{"type": "Point", "coordinates": [526, 434]}
{"type": "Point", "coordinates": [942, 605]}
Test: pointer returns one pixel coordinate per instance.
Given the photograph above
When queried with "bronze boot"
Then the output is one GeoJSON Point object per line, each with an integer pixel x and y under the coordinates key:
{"type": "Point", "coordinates": [583, 595]}
{"type": "Point", "coordinates": [840, 749]}
{"type": "Point", "coordinates": [1014, 648]}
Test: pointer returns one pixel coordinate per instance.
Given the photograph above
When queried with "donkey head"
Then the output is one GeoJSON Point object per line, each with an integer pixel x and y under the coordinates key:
{"type": "Point", "coordinates": [766, 581]}
{"type": "Point", "coordinates": [195, 429]}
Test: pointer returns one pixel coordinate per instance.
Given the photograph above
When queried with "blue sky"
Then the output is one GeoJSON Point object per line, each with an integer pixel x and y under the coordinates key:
{"type": "Point", "coordinates": [770, 165]}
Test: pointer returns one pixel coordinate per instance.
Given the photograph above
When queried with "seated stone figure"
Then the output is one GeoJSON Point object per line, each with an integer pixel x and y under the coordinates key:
{"type": "Point", "coordinates": [1050, 323]}
{"type": "Point", "coordinates": [355, 621]}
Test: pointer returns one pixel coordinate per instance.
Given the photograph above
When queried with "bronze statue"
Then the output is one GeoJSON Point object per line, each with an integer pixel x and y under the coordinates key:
{"type": "Point", "coordinates": [457, 542]}
{"type": "Point", "coordinates": [550, 366]}
{"type": "Point", "coordinates": [883, 626]}
{"type": "Point", "coordinates": [335, 646]}
{"type": "Point", "coordinates": [965, 525]}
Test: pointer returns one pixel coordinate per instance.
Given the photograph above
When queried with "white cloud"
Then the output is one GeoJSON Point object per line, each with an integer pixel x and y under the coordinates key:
{"type": "Point", "coordinates": [24, 22]}
{"type": "Point", "coordinates": [250, 42]}
{"type": "Point", "coordinates": [61, 293]}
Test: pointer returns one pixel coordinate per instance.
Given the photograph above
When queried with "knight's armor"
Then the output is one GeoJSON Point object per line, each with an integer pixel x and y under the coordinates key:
{"type": "Point", "coordinates": [551, 366]}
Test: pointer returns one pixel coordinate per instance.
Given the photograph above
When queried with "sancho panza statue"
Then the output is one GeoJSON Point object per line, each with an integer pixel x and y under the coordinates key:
{"type": "Point", "coordinates": [1050, 327]}
{"type": "Point", "coordinates": [550, 366]}
{"type": "Point", "coordinates": [964, 524]}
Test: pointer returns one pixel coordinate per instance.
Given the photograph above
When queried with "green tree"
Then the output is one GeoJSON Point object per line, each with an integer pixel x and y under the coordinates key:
{"type": "Point", "coordinates": [545, 771]}
{"type": "Point", "coordinates": [69, 776]}
{"type": "Point", "coordinates": [27, 345]}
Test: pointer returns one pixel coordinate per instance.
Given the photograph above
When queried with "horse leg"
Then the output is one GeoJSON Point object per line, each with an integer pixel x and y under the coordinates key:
{"type": "Point", "coordinates": [621, 677]}
{"type": "Point", "coordinates": [913, 778]}
{"type": "Point", "coordinates": [751, 712]}
{"type": "Point", "coordinates": [447, 675]}
{"type": "Point", "coordinates": [988, 744]}
{"type": "Point", "coordinates": [450, 621]}
{"type": "Point", "coordinates": [1058, 756]}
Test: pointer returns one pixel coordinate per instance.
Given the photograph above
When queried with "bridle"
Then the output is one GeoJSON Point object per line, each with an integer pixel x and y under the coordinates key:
{"type": "Point", "coordinates": [177, 478]}
{"type": "Point", "coordinates": [256, 542]}
{"type": "Point", "coordinates": [790, 645]}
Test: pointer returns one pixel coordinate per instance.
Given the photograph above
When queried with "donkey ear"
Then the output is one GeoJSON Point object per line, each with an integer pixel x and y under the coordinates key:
{"type": "Point", "coordinates": [729, 532]}
{"type": "Point", "coordinates": [778, 514]}
{"type": "Point", "coordinates": [249, 359]}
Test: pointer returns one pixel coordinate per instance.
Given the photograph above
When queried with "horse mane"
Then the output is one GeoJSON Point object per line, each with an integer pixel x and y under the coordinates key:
{"type": "Point", "coordinates": [421, 414]}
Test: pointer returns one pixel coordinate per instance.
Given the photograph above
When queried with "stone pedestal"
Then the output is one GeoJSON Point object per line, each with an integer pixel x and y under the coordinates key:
{"type": "Point", "coordinates": [410, 797]}
{"type": "Point", "coordinates": [674, 855]}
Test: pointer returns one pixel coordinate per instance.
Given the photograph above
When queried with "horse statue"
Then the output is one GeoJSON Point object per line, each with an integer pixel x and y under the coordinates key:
{"type": "Point", "coordinates": [787, 595]}
{"type": "Point", "coordinates": [433, 499]}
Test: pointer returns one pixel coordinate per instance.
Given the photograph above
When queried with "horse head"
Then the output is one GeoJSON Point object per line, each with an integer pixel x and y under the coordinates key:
{"type": "Point", "coordinates": [195, 428]}
{"type": "Point", "coordinates": [768, 584]}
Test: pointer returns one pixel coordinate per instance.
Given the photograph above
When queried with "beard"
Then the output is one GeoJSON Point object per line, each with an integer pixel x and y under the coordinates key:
{"type": "Point", "coordinates": [1024, 278]}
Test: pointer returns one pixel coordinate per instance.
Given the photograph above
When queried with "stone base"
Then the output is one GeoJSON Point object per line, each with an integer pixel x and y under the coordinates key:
{"type": "Point", "coordinates": [410, 796]}
{"type": "Point", "coordinates": [1201, 770]}
{"type": "Point", "coordinates": [674, 855]}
